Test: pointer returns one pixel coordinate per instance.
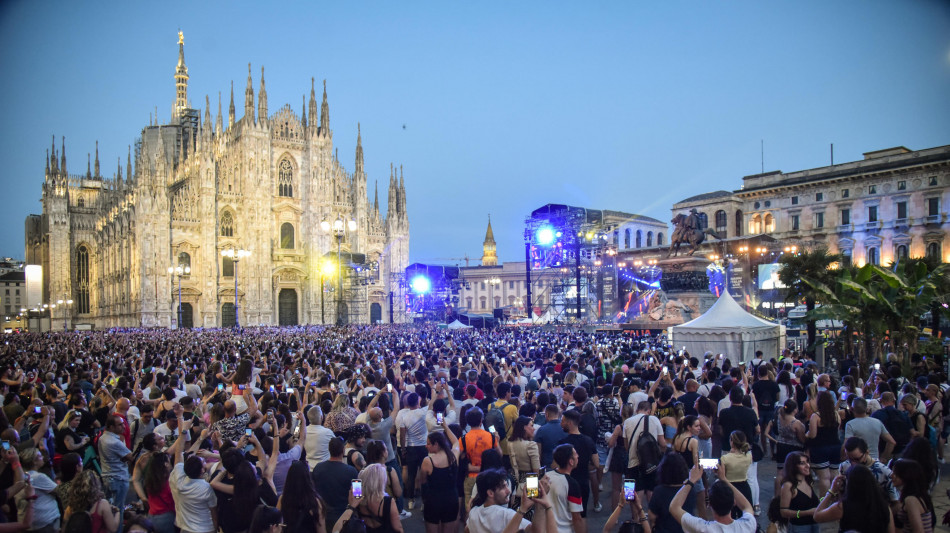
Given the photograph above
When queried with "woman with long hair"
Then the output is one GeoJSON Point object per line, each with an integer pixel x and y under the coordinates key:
{"type": "Point", "coordinates": [376, 508]}
{"type": "Point", "coordinates": [266, 519]}
{"type": "Point", "coordinates": [785, 389]}
{"type": "Point", "coordinates": [737, 462]}
{"type": "Point", "coordinates": [151, 444]}
{"type": "Point", "coordinates": [916, 509]}
{"type": "Point", "coordinates": [920, 450]}
{"type": "Point", "coordinates": [789, 437]}
{"type": "Point", "coordinates": [376, 453]}
{"type": "Point", "coordinates": [85, 495]}
{"type": "Point", "coordinates": [438, 478]}
{"type": "Point", "coordinates": [302, 507]}
{"type": "Point", "coordinates": [67, 438]}
{"type": "Point", "coordinates": [798, 498]}
{"type": "Point", "coordinates": [342, 415]}
{"type": "Point", "coordinates": [823, 443]}
{"type": "Point", "coordinates": [158, 493]}
{"type": "Point", "coordinates": [686, 443]}
{"type": "Point", "coordinates": [671, 474]}
{"type": "Point", "coordinates": [70, 466]}
{"type": "Point", "coordinates": [810, 406]}
{"type": "Point", "coordinates": [857, 502]}
{"type": "Point", "coordinates": [525, 455]}
{"type": "Point", "coordinates": [239, 490]}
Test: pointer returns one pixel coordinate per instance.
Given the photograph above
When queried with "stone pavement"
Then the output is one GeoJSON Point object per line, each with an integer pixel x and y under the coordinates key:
{"type": "Point", "coordinates": [766, 475]}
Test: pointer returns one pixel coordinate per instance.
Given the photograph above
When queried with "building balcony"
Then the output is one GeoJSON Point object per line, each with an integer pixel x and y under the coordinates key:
{"type": "Point", "coordinates": [845, 228]}
{"type": "Point", "coordinates": [933, 219]}
{"type": "Point", "coordinates": [872, 225]}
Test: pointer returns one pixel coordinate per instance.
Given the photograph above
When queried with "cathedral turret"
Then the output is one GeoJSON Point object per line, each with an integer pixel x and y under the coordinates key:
{"type": "Point", "coordinates": [325, 112]}
{"type": "Point", "coordinates": [62, 164]}
{"type": "Point", "coordinates": [181, 78]}
{"type": "Point", "coordinates": [489, 256]}
{"type": "Point", "coordinates": [376, 197]}
{"type": "Point", "coordinates": [358, 167]}
{"type": "Point", "coordinates": [52, 162]}
{"type": "Point", "coordinates": [313, 105]}
{"type": "Point", "coordinates": [262, 100]}
{"type": "Point", "coordinates": [88, 165]}
{"type": "Point", "coordinates": [218, 122]}
{"type": "Point", "coordinates": [207, 124]}
{"type": "Point", "coordinates": [231, 108]}
{"type": "Point", "coordinates": [249, 98]}
{"type": "Point", "coordinates": [401, 193]}
{"type": "Point", "coordinates": [47, 163]}
{"type": "Point", "coordinates": [303, 111]}
{"type": "Point", "coordinates": [128, 165]}
{"type": "Point", "coordinates": [118, 173]}
{"type": "Point", "coordinates": [97, 175]}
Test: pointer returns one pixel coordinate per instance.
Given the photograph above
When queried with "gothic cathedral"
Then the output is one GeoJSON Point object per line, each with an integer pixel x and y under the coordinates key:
{"type": "Point", "coordinates": [252, 222]}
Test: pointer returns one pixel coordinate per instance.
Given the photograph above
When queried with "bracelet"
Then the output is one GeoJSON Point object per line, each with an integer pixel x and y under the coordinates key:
{"type": "Point", "coordinates": [549, 507]}
{"type": "Point", "coordinates": [835, 494]}
{"type": "Point", "coordinates": [519, 511]}
{"type": "Point", "coordinates": [690, 483]}
{"type": "Point", "coordinates": [798, 514]}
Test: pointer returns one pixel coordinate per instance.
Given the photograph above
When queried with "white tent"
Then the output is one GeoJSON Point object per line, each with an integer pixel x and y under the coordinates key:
{"type": "Point", "coordinates": [458, 325]}
{"type": "Point", "coordinates": [728, 329]}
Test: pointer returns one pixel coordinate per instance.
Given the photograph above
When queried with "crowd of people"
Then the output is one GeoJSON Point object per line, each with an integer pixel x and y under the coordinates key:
{"type": "Point", "coordinates": [352, 429]}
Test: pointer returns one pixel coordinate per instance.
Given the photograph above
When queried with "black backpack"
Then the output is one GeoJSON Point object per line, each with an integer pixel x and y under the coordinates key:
{"type": "Point", "coordinates": [648, 449]}
{"type": "Point", "coordinates": [496, 418]}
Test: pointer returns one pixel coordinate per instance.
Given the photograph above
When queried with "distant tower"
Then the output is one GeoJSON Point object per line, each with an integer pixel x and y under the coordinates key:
{"type": "Point", "coordinates": [489, 257]}
{"type": "Point", "coordinates": [181, 78]}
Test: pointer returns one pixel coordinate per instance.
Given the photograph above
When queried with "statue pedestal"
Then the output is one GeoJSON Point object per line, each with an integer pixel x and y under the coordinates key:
{"type": "Point", "coordinates": [684, 294]}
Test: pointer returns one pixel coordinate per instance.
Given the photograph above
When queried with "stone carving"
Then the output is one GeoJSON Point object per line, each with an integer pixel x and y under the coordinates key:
{"type": "Point", "coordinates": [663, 309]}
{"type": "Point", "coordinates": [688, 281]}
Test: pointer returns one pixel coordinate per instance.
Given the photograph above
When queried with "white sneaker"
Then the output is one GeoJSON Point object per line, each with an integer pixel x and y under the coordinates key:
{"type": "Point", "coordinates": [598, 507]}
{"type": "Point", "coordinates": [405, 514]}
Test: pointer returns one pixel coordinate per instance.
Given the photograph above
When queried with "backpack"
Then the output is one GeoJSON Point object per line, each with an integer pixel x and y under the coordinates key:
{"type": "Point", "coordinates": [929, 432]}
{"type": "Point", "coordinates": [898, 425]}
{"type": "Point", "coordinates": [648, 449]}
{"type": "Point", "coordinates": [496, 419]}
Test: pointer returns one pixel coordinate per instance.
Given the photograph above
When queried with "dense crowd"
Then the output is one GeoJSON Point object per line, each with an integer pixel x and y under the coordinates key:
{"type": "Point", "coordinates": [326, 429]}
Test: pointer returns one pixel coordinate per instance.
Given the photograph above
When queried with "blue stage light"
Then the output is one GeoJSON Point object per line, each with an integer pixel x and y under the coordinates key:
{"type": "Point", "coordinates": [545, 235]}
{"type": "Point", "coordinates": [420, 285]}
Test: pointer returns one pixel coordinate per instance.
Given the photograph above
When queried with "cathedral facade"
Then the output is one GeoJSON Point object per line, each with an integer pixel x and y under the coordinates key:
{"type": "Point", "coordinates": [251, 220]}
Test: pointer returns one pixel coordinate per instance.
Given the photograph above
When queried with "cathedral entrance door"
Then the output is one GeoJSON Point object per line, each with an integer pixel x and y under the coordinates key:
{"type": "Point", "coordinates": [287, 307]}
{"type": "Point", "coordinates": [227, 315]}
{"type": "Point", "coordinates": [187, 316]}
{"type": "Point", "coordinates": [375, 313]}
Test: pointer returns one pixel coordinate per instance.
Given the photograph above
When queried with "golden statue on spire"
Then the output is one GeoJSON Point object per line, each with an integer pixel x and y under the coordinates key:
{"type": "Point", "coordinates": [181, 37]}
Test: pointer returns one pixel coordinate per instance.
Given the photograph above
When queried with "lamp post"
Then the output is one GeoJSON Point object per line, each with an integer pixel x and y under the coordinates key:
{"type": "Point", "coordinates": [179, 271]}
{"type": "Point", "coordinates": [65, 305]}
{"type": "Point", "coordinates": [339, 227]}
{"type": "Point", "coordinates": [235, 254]}
{"type": "Point", "coordinates": [492, 281]}
{"type": "Point", "coordinates": [326, 271]}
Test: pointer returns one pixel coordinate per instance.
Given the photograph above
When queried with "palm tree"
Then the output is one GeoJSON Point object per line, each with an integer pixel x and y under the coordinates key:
{"type": "Point", "coordinates": [815, 265]}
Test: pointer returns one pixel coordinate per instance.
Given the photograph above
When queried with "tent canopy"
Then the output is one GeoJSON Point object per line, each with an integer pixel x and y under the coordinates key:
{"type": "Point", "coordinates": [458, 325]}
{"type": "Point", "coordinates": [728, 329]}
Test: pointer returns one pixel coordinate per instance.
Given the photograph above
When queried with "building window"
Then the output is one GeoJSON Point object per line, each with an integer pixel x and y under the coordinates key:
{"type": "Point", "coordinates": [794, 200]}
{"type": "Point", "coordinates": [82, 278]}
{"type": "Point", "coordinates": [659, 238]}
{"type": "Point", "coordinates": [845, 217]}
{"type": "Point", "coordinates": [795, 219]}
{"type": "Point", "coordinates": [482, 301]}
{"type": "Point", "coordinates": [497, 302]}
{"type": "Point", "coordinates": [845, 193]}
{"type": "Point", "coordinates": [755, 224]}
{"type": "Point", "coordinates": [933, 181]}
{"type": "Point", "coordinates": [768, 203]}
{"type": "Point", "coordinates": [872, 213]}
{"type": "Point", "coordinates": [933, 207]}
{"type": "Point", "coordinates": [872, 189]}
{"type": "Point", "coordinates": [184, 261]}
{"type": "Point", "coordinates": [820, 220]}
{"type": "Point", "coordinates": [511, 284]}
{"type": "Point", "coordinates": [769, 223]}
{"type": "Point", "coordinates": [872, 256]}
{"type": "Point", "coordinates": [468, 302]}
{"type": "Point", "coordinates": [902, 185]}
{"type": "Point", "coordinates": [81, 202]}
{"type": "Point", "coordinates": [287, 236]}
{"type": "Point", "coordinates": [227, 267]}
{"type": "Point", "coordinates": [703, 220]}
{"type": "Point", "coordinates": [933, 249]}
{"type": "Point", "coordinates": [227, 315]}
{"type": "Point", "coordinates": [483, 288]}
{"type": "Point", "coordinates": [227, 225]}
{"type": "Point", "coordinates": [285, 179]}
{"type": "Point", "coordinates": [540, 283]}
{"type": "Point", "coordinates": [639, 238]}
{"type": "Point", "coordinates": [901, 251]}
{"type": "Point", "coordinates": [626, 238]}
{"type": "Point", "coordinates": [901, 210]}
{"type": "Point", "coordinates": [846, 258]}
{"type": "Point", "coordinates": [649, 239]}
{"type": "Point", "coordinates": [819, 196]}
{"type": "Point", "coordinates": [738, 223]}
{"type": "Point", "coordinates": [757, 205]}
{"type": "Point", "coordinates": [721, 222]}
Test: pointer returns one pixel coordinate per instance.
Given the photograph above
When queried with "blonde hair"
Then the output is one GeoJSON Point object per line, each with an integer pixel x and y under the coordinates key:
{"type": "Point", "coordinates": [374, 481]}
{"type": "Point", "coordinates": [28, 457]}
{"type": "Point", "coordinates": [738, 441]}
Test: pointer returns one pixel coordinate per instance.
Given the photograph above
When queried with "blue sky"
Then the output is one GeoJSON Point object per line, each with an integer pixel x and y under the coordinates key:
{"type": "Point", "coordinates": [627, 105]}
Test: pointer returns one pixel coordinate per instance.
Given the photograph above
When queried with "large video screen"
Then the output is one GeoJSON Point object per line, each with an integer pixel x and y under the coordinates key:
{"type": "Point", "coordinates": [768, 277]}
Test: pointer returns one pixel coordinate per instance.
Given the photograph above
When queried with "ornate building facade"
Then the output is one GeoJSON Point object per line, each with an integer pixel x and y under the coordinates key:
{"type": "Point", "coordinates": [317, 250]}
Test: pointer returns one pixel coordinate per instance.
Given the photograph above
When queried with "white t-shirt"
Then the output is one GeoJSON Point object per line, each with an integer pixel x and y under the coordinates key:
{"type": "Point", "coordinates": [193, 499]}
{"type": "Point", "coordinates": [317, 443]}
{"type": "Point", "coordinates": [636, 397]}
{"type": "Point", "coordinates": [491, 519]}
{"type": "Point", "coordinates": [692, 524]}
{"type": "Point", "coordinates": [414, 421]}
{"type": "Point", "coordinates": [652, 424]}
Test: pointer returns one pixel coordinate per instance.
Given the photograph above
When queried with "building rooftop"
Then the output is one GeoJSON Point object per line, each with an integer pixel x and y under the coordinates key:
{"type": "Point", "coordinates": [705, 196]}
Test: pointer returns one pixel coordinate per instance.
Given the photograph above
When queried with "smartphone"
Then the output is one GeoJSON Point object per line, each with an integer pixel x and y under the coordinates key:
{"type": "Point", "coordinates": [439, 418]}
{"type": "Point", "coordinates": [531, 485]}
{"type": "Point", "coordinates": [6, 445]}
{"type": "Point", "coordinates": [491, 429]}
{"type": "Point", "coordinates": [844, 396]}
{"type": "Point", "coordinates": [665, 370]}
{"type": "Point", "coordinates": [359, 383]}
{"type": "Point", "coordinates": [297, 431]}
{"type": "Point", "coordinates": [443, 381]}
{"type": "Point", "coordinates": [37, 410]}
{"type": "Point", "coordinates": [333, 386]}
{"type": "Point", "coordinates": [220, 387]}
{"type": "Point", "coordinates": [241, 387]}
{"type": "Point", "coordinates": [629, 490]}
{"type": "Point", "coordinates": [502, 360]}
{"type": "Point", "coordinates": [272, 388]}
{"type": "Point", "coordinates": [709, 464]}
{"type": "Point", "coordinates": [248, 432]}
{"type": "Point", "coordinates": [877, 366]}
{"type": "Point", "coordinates": [357, 486]}
{"type": "Point", "coordinates": [389, 387]}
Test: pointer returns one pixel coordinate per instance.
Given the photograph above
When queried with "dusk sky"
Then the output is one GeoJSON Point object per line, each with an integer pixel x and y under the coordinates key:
{"type": "Point", "coordinates": [492, 107]}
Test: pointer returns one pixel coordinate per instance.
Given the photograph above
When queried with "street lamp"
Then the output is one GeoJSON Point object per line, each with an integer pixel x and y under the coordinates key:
{"type": "Point", "coordinates": [65, 305]}
{"type": "Point", "coordinates": [235, 255]}
{"type": "Point", "coordinates": [180, 271]}
{"type": "Point", "coordinates": [339, 228]}
{"type": "Point", "coordinates": [492, 281]}
{"type": "Point", "coordinates": [326, 271]}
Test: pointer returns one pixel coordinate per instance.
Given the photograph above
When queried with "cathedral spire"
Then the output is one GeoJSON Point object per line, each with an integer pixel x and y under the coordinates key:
{"type": "Point", "coordinates": [47, 162]}
{"type": "Point", "coordinates": [88, 165]}
{"type": "Point", "coordinates": [489, 255]}
{"type": "Point", "coordinates": [325, 112]}
{"type": "Point", "coordinates": [249, 98]}
{"type": "Point", "coordinates": [262, 100]}
{"type": "Point", "coordinates": [207, 124]}
{"type": "Point", "coordinates": [181, 78]}
{"type": "Point", "coordinates": [97, 161]}
{"type": "Point", "coordinates": [128, 166]}
{"type": "Point", "coordinates": [231, 108]}
{"type": "Point", "coordinates": [62, 153]}
{"type": "Point", "coordinates": [52, 160]}
{"type": "Point", "coordinates": [219, 119]}
{"type": "Point", "coordinates": [118, 170]}
{"type": "Point", "coordinates": [359, 150]}
{"type": "Point", "coordinates": [313, 105]}
{"type": "Point", "coordinates": [376, 196]}
{"type": "Point", "coordinates": [303, 110]}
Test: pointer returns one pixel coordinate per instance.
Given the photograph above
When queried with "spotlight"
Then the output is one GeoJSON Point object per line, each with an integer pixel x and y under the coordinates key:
{"type": "Point", "coordinates": [545, 235]}
{"type": "Point", "coordinates": [420, 285]}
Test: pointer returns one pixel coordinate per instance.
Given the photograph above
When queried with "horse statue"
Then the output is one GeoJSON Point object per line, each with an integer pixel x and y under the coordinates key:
{"type": "Point", "coordinates": [687, 231]}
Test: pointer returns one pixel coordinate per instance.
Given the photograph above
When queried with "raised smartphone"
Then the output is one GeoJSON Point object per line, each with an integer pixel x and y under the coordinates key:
{"type": "Point", "coordinates": [531, 486]}
{"type": "Point", "coordinates": [629, 490]}
{"type": "Point", "coordinates": [357, 486]}
{"type": "Point", "coordinates": [709, 464]}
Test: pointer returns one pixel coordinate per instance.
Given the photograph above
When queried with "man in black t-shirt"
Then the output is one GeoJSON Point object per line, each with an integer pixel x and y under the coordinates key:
{"type": "Point", "coordinates": [689, 398]}
{"type": "Point", "coordinates": [332, 480]}
{"type": "Point", "coordinates": [587, 458]}
{"type": "Point", "coordinates": [736, 417]}
{"type": "Point", "coordinates": [766, 395]}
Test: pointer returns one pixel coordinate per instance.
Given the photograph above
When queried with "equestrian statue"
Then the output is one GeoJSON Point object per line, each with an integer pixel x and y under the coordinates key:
{"type": "Point", "coordinates": [688, 230]}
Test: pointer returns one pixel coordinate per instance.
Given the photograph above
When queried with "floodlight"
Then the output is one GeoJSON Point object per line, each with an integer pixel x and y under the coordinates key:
{"type": "Point", "coordinates": [420, 285]}
{"type": "Point", "coordinates": [545, 236]}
